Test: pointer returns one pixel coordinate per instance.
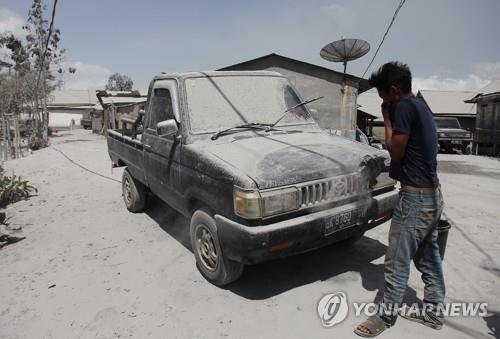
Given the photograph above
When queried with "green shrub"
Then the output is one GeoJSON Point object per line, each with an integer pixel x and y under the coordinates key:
{"type": "Point", "coordinates": [13, 188]}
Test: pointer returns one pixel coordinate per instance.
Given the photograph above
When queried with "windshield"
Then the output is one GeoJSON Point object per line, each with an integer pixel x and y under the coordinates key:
{"type": "Point", "coordinates": [447, 123]}
{"type": "Point", "coordinates": [220, 102]}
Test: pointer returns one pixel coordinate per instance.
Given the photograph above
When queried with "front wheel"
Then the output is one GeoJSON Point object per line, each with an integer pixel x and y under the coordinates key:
{"type": "Point", "coordinates": [466, 149]}
{"type": "Point", "coordinates": [207, 251]}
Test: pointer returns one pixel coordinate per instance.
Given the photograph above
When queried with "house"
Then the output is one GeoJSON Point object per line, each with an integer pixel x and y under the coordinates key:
{"type": "Point", "coordinates": [451, 104]}
{"type": "Point", "coordinates": [337, 110]}
{"type": "Point", "coordinates": [114, 106]}
{"type": "Point", "coordinates": [67, 108]}
{"type": "Point", "coordinates": [370, 119]}
{"type": "Point", "coordinates": [487, 134]}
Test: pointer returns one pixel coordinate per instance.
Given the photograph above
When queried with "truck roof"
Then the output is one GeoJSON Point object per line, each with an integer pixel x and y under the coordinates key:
{"type": "Point", "coordinates": [186, 75]}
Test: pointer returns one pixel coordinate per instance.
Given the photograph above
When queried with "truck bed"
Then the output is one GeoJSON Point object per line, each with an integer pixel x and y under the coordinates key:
{"type": "Point", "coordinates": [126, 151]}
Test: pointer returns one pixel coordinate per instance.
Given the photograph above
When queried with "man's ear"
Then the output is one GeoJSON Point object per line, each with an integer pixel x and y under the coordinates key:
{"type": "Point", "coordinates": [395, 92]}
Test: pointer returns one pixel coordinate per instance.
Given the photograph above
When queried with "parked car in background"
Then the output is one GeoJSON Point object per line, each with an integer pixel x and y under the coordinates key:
{"type": "Point", "coordinates": [452, 136]}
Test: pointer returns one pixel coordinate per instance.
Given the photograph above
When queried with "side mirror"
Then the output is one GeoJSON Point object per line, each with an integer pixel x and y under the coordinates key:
{"type": "Point", "coordinates": [166, 128]}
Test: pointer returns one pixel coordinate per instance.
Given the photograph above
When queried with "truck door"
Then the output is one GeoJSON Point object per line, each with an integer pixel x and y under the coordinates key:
{"type": "Point", "coordinates": [162, 153]}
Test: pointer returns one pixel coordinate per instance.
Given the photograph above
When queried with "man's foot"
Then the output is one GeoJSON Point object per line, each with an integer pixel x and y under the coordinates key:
{"type": "Point", "coordinates": [371, 327]}
{"type": "Point", "coordinates": [427, 318]}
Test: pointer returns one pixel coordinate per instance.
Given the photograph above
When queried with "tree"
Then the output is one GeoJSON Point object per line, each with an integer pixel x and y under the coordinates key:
{"type": "Point", "coordinates": [42, 43]}
{"type": "Point", "coordinates": [119, 82]}
{"type": "Point", "coordinates": [34, 62]}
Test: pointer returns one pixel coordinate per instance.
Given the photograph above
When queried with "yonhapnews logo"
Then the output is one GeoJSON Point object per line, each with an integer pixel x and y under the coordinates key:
{"type": "Point", "coordinates": [333, 309]}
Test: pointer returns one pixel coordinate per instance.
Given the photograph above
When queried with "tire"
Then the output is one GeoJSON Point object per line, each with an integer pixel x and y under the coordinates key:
{"type": "Point", "coordinates": [134, 193]}
{"type": "Point", "coordinates": [210, 260]}
{"type": "Point", "coordinates": [466, 149]}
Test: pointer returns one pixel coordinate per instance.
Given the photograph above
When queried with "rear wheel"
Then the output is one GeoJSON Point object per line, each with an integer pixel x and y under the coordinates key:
{"type": "Point", "coordinates": [208, 253]}
{"type": "Point", "coordinates": [134, 193]}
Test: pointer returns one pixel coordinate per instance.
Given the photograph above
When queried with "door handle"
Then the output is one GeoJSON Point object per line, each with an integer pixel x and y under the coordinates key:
{"type": "Point", "coordinates": [147, 147]}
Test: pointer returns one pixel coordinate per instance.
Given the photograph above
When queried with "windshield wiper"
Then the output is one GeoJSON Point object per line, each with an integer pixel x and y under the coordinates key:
{"type": "Point", "coordinates": [250, 125]}
{"type": "Point", "coordinates": [264, 126]}
{"type": "Point", "coordinates": [292, 108]}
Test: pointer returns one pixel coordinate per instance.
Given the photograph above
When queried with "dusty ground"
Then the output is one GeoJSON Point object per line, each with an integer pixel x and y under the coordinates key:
{"type": "Point", "coordinates": [90, 269]}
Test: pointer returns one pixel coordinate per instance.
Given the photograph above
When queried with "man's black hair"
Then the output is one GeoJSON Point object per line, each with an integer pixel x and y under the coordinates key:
{"type": "Point", "coordinates": [393, 73]}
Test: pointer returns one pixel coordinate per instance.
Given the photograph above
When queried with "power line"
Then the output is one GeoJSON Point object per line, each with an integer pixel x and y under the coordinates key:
{"type": "Point", "coordinates": [83, 167]}
{"type": "Point", "coordinates": [51, 27]}
{"type": "Point", "coordinates": [401, 3]}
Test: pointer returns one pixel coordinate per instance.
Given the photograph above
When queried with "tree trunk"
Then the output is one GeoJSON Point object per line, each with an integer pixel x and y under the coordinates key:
{"type": "Point", "coordinates": [17, 136]}
{"type": "Point", "coordinates": [45, 114]}
{"type": "Point", "coordinates": [4, 132]}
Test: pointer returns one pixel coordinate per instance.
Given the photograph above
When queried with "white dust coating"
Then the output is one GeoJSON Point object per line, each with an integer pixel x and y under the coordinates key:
{"type": "Point", "coordinates": [224, 101]}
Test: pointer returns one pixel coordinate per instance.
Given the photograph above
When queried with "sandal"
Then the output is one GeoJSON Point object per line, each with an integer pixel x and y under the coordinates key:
{"type": "Point", "coordinates": [372, 327]}
{"type": "Point", "coordinates": [9, 239]}
{"type": "Point", "coordinates": [429, 318]}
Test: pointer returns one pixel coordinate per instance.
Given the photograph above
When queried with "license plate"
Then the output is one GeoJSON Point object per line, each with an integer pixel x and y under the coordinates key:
{"type": "Point", "coordinates": [456, 142]}
{"type": "Point", "coordinates": [343, 220]}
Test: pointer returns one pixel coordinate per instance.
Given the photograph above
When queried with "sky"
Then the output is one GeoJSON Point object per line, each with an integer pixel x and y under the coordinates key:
{"type": "Point", "coordinates": [448, 44]}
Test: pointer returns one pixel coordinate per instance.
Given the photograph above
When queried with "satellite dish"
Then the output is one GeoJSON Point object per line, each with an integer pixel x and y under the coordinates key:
{"type": "Point", "coordinates": [345, 50]}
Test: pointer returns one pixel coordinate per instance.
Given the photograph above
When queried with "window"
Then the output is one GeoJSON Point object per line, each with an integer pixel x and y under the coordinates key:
{"type": "Point", "coordinates": [160, 107]}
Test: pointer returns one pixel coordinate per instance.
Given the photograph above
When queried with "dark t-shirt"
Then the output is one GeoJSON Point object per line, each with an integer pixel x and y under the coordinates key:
{"type": "Point", "coordinates": [418, 165]}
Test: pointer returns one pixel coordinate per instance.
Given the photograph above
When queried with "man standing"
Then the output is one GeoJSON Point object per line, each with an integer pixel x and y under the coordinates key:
{"type": "Point", "coordinates": [411, 138]}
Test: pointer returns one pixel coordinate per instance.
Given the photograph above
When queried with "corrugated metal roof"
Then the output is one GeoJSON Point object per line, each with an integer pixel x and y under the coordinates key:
{"type": "Point", "coordinates": [186, 75]}
{"type": "Point", "coordinates": [448, 102]}
{"type": "Point", "coordinates": [369, 102]}
{"type": "Point", "coordinates": [72, 97]}
{"type": "Point", "coordinates": [492, 87]}
{"type": "Point", "coordinates": [123, 100]}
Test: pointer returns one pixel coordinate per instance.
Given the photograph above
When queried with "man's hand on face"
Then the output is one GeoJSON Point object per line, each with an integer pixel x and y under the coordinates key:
{"type": "Point", "coordinates": [386, 110]}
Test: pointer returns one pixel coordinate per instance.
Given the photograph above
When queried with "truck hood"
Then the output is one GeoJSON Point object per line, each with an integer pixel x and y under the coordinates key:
{"type": "Point", "coordinates": [273, 160]}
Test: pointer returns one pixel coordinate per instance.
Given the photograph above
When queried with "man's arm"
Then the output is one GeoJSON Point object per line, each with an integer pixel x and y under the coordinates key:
{"type": "Point", "coordinates": [395, 142]}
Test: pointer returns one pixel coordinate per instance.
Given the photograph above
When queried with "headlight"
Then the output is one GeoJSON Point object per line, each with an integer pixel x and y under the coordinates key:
{"type": "Point", "coordinates": [247, 204]}
{"type": "Point", "coordinates": [383, 180]}
{"type": "Point", "coordinates": [467, 135]}
{"type": "Point", "coordinates": [280, 201]}
{"type": "Point", "coordinates": [442, 135]}
{"type": "Point", "coordinates": [254, 205]}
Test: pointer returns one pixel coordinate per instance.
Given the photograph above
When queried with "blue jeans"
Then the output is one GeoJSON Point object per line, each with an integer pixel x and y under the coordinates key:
{"type": "Point", "coordinates": [413, 236]}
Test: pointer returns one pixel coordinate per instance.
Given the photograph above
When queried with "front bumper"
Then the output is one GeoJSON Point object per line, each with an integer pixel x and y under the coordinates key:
{"type": "Point", "coordinates": [253, 244]}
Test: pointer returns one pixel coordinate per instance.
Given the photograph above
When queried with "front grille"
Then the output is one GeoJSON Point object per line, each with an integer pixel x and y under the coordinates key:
{"type": "Point", "coordinates": [331, 189]}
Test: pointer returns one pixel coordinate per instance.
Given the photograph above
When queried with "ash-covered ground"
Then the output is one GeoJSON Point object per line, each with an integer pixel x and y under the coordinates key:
{"type": "Point", "coordinates": [90, 269]}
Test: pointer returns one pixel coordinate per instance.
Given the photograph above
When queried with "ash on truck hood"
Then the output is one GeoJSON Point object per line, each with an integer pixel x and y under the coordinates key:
{"type": "Point", "coordinates": [273, 160]}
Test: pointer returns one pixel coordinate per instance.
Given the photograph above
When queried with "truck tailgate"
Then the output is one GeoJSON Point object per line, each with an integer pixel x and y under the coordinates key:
{"type": "Point", "coordinates": [125, 151]}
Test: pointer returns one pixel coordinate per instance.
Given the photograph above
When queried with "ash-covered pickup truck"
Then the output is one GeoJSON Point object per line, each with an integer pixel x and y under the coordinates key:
{"type": "Point", "coordinates": [239, 154]}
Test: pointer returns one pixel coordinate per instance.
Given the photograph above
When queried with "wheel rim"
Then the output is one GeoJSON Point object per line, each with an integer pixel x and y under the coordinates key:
{"type": "Point", "coordinates": [127, 190]}
{"type": "Point", "coordinates": [206, 248]}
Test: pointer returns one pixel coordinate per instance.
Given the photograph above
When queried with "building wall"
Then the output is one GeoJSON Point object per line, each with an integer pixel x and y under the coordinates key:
{"type": "Point", "coordinates": [311, 82]}
{"type": "Point", "coordinates": [61, 119]}
{"type": "Point", "coordinates": [487, 136]}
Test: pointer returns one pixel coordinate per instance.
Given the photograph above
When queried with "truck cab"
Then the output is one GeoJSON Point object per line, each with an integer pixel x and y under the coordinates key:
{"type": "Point", "coordinates": [240, 155]}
